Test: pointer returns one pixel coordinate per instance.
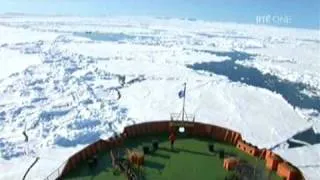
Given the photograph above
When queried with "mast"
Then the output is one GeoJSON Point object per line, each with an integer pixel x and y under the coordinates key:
{"type": "Point", "coordinates": [184, 100]}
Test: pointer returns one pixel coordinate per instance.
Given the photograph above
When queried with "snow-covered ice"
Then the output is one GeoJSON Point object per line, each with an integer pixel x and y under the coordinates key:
{"type": "Point", "coordinates": [13, 62]}
{"type": "Point", "coordinates": [62, 89]}
{"type": "Point", "coordinates": [306, 158]}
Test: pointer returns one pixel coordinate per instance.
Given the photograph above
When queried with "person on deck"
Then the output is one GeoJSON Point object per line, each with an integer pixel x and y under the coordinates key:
{"type": "Point", "coordinates": [172, 138]}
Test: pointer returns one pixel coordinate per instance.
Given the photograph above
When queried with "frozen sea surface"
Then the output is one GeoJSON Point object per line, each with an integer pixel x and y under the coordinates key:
{"type": "Point", "coordinates": [63, 87]}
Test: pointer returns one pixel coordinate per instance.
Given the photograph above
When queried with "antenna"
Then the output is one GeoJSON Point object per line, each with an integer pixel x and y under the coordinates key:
{"type": "Point", "coordinates": [184, 101]}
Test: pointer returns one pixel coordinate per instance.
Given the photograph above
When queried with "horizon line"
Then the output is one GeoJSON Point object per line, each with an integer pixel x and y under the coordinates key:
{"type": "Point", "coordinates": [156, 17]}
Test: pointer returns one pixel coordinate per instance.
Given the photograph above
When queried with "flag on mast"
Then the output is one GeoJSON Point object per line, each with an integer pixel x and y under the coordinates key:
{"type": "Point", "coordinates": [182, 92]}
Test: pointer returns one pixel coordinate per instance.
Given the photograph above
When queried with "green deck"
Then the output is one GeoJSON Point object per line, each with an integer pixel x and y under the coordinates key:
{"type": "Point", "coordinates": [191, 160]}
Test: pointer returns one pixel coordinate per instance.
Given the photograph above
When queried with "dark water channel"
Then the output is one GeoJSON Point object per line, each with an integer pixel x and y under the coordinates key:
{"type": "Point", "coordinates": [290, 91]}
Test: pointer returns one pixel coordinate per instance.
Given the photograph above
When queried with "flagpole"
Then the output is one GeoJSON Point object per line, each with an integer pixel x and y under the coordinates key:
{"type": "Point", "coordinates": [184, 100]}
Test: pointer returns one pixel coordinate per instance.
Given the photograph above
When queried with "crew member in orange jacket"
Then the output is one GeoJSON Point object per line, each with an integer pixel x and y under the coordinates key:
{"type": "Point", "coordinates": [172, 138]}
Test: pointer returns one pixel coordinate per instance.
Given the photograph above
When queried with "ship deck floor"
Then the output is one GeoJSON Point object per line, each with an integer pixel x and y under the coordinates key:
{"type": "Point", "coordinates": [190, 160]}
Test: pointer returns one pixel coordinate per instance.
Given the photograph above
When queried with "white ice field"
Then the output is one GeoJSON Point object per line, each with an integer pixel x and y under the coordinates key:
{"type": "Point", "coordinates": [59, 87]}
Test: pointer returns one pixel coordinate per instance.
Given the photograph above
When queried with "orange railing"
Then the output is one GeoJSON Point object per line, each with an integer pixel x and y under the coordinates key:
{"type": "Point", "coordinates": [283, 168]}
